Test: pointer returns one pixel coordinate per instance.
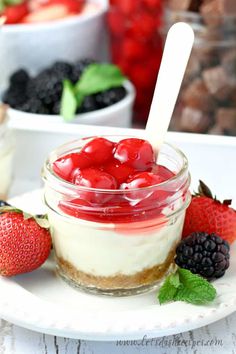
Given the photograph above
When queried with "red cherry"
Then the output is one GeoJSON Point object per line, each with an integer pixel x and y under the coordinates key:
{"type": "Point", "coordinates": [99, 150]}
{"type": "Point", "coordinates": [142, 180]}
{"type": "Point", "coordinates": [135, 153]}
{"type": "Point", "coordinates": [120, 171]}
{"type": "Point", "coordinates": [94, 178]}
{"type": "Point", "coordinates": [65, 165]}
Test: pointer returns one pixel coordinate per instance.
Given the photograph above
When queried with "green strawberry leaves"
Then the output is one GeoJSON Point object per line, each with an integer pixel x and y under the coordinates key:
{"type": "Point", "coordinates": [186, 286]}
{"type": "Point", "coordinates": [95, 78]}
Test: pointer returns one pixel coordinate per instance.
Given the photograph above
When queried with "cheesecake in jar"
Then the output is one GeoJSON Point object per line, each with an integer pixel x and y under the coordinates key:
{"type": "Point", "coordinates": [116, 215]}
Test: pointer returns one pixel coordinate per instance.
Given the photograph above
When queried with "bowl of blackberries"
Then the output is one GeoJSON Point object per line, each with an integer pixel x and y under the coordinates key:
{"type": "Point", "coordinates": [85, 92]}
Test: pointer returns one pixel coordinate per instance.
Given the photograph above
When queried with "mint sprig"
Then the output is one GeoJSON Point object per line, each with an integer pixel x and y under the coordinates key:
{"type": "Point", "coordinates": [95, 78]}
{"type": "Point", "coordinates": [186, 286]}
{"type": "Point", "coordinates": [68, 101]}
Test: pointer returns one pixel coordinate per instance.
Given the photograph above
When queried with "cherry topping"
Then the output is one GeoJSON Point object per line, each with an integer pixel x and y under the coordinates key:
{"type": "Point", "coordinates": [121, 172]}
{"type": "Point", "coordinates": [136, 153]}
{"type": "Point", "coordinates": [99, 150]}
{"type": "Point", "coordinates": [94, 178]}
{"type": "Point", "coordinates": [142, 180]}
{"type": "Point", "coordinates": [65, 165]}
{"type": "Point", "coordinates": [162, 171]}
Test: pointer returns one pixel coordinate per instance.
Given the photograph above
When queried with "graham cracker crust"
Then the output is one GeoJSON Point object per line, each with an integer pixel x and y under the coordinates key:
{"type": "Point", "coordinates": [119, 281]}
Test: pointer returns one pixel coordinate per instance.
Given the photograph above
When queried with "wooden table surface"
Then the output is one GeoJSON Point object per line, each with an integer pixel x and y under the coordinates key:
{"type": "Point", "coordinates": [219, 338]}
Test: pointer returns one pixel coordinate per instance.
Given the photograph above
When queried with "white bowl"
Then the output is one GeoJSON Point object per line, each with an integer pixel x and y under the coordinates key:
{"type": "Point", "coordinates": [117, 115]}
{"type": "Point", "coordinates": [36, 46]}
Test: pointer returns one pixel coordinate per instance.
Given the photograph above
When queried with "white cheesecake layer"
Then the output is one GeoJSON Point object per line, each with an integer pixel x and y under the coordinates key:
{"type": "Point", "coordinates": [109, 250]}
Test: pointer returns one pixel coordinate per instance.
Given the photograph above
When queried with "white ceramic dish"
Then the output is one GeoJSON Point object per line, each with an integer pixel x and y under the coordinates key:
{"type": "Point", "coordinates": [43, 302]}
{"type": "Point", "coordinates": [36, 46]}
{"type": "Point", "coordinates": [117, 115]}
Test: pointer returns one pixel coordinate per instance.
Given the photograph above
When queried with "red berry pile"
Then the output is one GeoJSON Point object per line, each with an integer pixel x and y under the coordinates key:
{"type": "Point", "coordinates": [137, 46]}
{"type": "Point", "coordinates": [124, 166]}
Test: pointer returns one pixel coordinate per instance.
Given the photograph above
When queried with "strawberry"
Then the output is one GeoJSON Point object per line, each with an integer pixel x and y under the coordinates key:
{"type": "Point", "coordinates": [15, 13]}
{"type": "Point", "coordinates": [73, 6]}
{"type": "Point", "coordinates": [24, 244]}
{"type": "Point", "coordinates": [206, 214]}
{"type": "Point", "coordinates": [47, 13]}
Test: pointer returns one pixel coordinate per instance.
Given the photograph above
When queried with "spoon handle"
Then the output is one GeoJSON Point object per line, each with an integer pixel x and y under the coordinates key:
{"type": "Point", "coordinates": [176, 54]}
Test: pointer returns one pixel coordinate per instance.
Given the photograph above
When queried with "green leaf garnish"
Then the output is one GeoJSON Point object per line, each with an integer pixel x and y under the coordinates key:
{"type": "Point", "coordinates": [169, 289]}
{"type": "Point", "coordinates": [95, 78]}
{"type": "Point", "coordinates": [68, 101]}
{"type": "Point", "coordinates": [99, 77]}
{"type": "Point", "coordinates": [188, 287]}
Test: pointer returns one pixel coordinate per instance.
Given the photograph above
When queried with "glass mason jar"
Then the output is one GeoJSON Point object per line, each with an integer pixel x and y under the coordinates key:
{"type": "Point", "coordinates": [6, 157]}
{"type": "Point", "coordinates": [136, 47]}
{"type": "Point", "coordinates": [116, 242]}
{"type": "Point", "coordinates": [207, 99]}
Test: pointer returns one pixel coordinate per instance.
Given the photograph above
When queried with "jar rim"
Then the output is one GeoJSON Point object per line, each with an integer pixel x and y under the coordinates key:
{"type": "Point", "coordinates": [48, 174]}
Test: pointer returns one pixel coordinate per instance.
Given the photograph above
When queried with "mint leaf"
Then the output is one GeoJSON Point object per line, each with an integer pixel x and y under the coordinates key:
{"type": "Point", "coordinates": [169, 289]}
{"type": "Point", "coordinates": [174, 280]}
{"type": "Point", "coordinates": [68, 101]}
{"type": "Point", "coordinates": [186, 286]}
{"type": "Point", "coordinates": [99, 77]}
{"type": "Point", "coordinates": [195, 289]}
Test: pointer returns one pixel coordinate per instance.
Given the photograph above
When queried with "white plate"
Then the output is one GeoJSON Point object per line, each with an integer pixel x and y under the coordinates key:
{"type": "Point", "coordinates": [43, 302]}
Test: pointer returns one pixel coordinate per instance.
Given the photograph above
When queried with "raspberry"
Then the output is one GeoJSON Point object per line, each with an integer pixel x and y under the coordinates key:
{"type": "Point", "coordinates": [203, 254]}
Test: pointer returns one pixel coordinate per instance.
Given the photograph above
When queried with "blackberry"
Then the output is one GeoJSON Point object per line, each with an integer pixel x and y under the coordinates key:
{"type": "Point", "coordinates": [56, 108]}
{"type": "Point", "coordinates": [33, 105]}
{"type": "Point", "coordinates": [14, 96]}
{"type": "Point", "coordinates": [203, 254]}
{"type": "Point", "coordinates": [79, 67]}
{"type": "Point", "coordinates": [110, 97]}
{"type": "Point", "coordinates": [3, 203]}
{"type": "Point", "coordinates": [62, 70]}
{"type": "Point", "coordinates": [89, 104]}
{"type": "Point", "coordinates": [46, 87]}
{"type": "Point", "coordinates": [19, 78]}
